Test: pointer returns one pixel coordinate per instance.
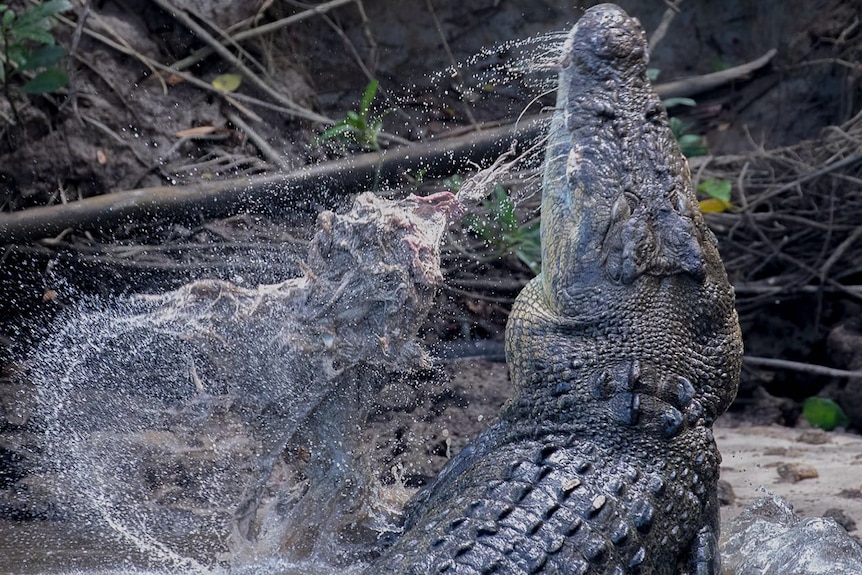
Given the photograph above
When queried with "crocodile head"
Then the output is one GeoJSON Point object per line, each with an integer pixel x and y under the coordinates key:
{"type": "Point", "coordinates": [633, 304]}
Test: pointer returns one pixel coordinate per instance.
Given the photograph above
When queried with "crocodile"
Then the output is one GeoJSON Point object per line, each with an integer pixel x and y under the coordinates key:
{"type": "Point", "coordinates": [623, 352]}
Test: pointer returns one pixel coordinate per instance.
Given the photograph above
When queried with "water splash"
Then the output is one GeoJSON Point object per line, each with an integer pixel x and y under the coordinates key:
{"type": "Point", "coordinates": [130, 435]}
{"type": "Point", "coordinates": [167, 418]}
{"type": "Point", "coordinates": [211, 428]}
{"type": "Point", "coordinates": [514, 72]}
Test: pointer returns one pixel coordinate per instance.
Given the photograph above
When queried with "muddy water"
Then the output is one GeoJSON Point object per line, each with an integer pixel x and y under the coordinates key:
{"type": "Point", "coordinates": [52, 547]}
{"type": "Point", "coordinates": [64, 548]}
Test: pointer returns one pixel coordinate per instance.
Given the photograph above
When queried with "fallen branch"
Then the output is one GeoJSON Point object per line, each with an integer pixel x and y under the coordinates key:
{"type": "Point", "coordinates": [698, 84]}
{"type": "Point", "coordinates": [272, 194]}
{"type": "Point", "coordinates": [202, 53]}
{"type": "Point", "coordinates": [663, 26]}
{"type": "Point", "coordinates": [799, 366]}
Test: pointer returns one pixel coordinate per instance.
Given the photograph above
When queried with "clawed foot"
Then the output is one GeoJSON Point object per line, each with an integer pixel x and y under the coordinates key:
{"type": "Point", "coordinates": [638, 396]}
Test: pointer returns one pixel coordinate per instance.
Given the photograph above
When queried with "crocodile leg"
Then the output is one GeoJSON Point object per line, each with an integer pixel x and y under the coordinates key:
{"type": "Point", "coordinates": [705, 559]}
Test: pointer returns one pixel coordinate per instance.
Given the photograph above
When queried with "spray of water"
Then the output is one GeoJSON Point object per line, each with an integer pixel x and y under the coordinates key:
{"type": "Point", "coordinates": [210, 428]}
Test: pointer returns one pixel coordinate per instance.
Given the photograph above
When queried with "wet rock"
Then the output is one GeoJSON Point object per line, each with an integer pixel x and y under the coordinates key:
{"type": "Point", "coordinates": [768, 409]}
{"type": "Point", "coordinates": [769, 539]}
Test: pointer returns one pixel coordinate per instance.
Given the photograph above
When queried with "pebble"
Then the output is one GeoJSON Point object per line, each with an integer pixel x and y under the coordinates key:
{"type": "Point", "coordinates": [814, 437]}
{"type": "Point", "coordinates": [793, 472]}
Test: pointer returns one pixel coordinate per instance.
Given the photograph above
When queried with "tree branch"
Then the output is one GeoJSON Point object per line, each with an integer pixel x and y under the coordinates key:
{"type": "Point", "coordinates": [272, 193]}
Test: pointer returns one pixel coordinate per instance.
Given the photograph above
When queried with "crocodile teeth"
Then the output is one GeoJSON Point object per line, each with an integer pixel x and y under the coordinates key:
{"type": "Point", "coordinates": [686, 391]}
{"type": "Point", "coordinates": [634, 373]}
{"type": "Point", "coordinates": [621, 209]}
{"type": "Point", "coordinates": [634, 411]}
{"type": "Point", "coordinates": [671, 422]}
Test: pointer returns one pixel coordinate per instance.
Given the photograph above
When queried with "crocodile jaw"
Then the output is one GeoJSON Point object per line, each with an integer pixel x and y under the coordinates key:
{"type": "Point", "coordinates": [618, 200]}
{"type": "Point", "coordinates": [632, 280]}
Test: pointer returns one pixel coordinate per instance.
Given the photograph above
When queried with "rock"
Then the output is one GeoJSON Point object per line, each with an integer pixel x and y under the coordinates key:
{"type": "Point", "coordinates": [814, 437]}
{"type": "Point", "coordinates": [845, 348]}
{"type": "Point", "coordinates": [794, 472]}
{"type": "Point", "coordinates": [726, 496]}
{"type": "Point", "coordinates": [767, 409]}
{"type": "Point", "coordinates": [769, 539]}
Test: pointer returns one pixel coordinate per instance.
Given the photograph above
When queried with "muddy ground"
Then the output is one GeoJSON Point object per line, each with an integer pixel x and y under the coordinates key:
{"type": "Point", "coordinates": [120, 126]}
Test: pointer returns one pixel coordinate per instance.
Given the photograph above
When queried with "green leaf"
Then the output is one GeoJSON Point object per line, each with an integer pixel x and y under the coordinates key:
{"type": "Point", "coordinates": [50, 80]}
{"type": "Point", "coordinates": [368, 97]}
{"type": "Point", "coordinates": [718, 189]}
{"type": "Point", "coordinates": [33, 33]}
{"type": "Point", "coordinates": [35, 24]}
{"type": "Point", "coordinates": [42, 58]}
{"type": "Point", "coordinates": [40, 16]}
{"type": "Point", "coordinates": [8, 16]}
{"type": "Point", "coordinates": [370, 133]}
{"type": "Point", "coordinates": [652, 74]}
{"type": "Point", "coordinates": [692, 145]}
{"type": "Point", "coordinates": [824, 413]}
{"type": "Point", "coordinates": [504, 210]}
{"type": "Point", "coordinates": [227, 82]}
{"type": "Point", "coordinates": [454, 182]}
{"type": "Point", "coordinates": [340, 129]}
{"type": "Point", "coordinates": [18, 55]}
{"type": "Point", "coordinates": [673, 102]}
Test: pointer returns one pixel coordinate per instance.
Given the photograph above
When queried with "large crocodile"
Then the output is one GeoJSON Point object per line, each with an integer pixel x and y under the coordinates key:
{"type": "Point", "coordinates": [623, 352]}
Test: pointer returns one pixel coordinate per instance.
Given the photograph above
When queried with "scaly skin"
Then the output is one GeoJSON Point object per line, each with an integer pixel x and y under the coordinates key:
{"type": "Point", "coordinates": [623, 352]}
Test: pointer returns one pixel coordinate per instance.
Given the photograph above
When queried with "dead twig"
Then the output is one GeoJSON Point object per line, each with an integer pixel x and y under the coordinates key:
{"type": "Point", "coordinates": [226, 54]}
{"type": "Point", "coordinates": [71, 72]}
{"type": "Point", "coordinates": [117, 40]}
{"type": "Point", "coordinates": [698, 84]}
{"type": "Point", "coordinates": [199, 55]}
{"type": "Point", "coordinates": [801, 367]}
{"type": "Point", "coordinates": [455, 71]}
{"type": "Point", "coordinates": [273, 193]}
{"type": "Point", "coordinates": [261, 144]}
{"type": "Point", "coordinates": [816, 173]}
{"type": "Point", "coordinates": [663, 26]}
{"type": "Point", "coordinates": [230, 98]}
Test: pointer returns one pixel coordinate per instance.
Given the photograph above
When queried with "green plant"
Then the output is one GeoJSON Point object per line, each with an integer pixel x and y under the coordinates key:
{"type": "Point", "coordinates": [359, 126]}
{"type": "Point", "coordinates": [718, 195]}
{"type": "Point", "coordinates": [691, 145]}
{"type": "Point", "coordinates": [824, 413]}
{"type": "Point", "coordinates": [29, 46]}
{"type": "Point", "coordinates": [504, 234]}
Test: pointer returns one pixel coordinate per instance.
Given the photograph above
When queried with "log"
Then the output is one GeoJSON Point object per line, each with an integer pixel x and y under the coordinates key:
{"type": "Point", "coordinates": [275, 193]}
{"type": "Point", "coordinates": [698, 84]}
{"type": "Point", "coordinates": [326, 183]}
